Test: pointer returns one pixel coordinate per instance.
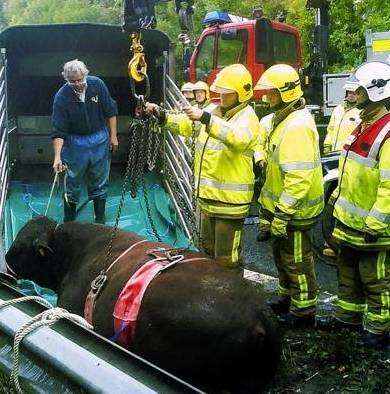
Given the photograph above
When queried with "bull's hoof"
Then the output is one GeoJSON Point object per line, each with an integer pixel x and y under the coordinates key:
{"type": "Point", "coordinates": [374, 341]}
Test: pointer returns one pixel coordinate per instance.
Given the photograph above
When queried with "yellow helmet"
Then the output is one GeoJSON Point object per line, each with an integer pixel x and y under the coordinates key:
{"type": "Point", "coordinates": [187, 87]}
{"type": "Point", "coordinates": [234, 78]}
{"type": "Point", "coordinates": [285, 79]}
{"type": "Point", "coordinates": [200, 85]}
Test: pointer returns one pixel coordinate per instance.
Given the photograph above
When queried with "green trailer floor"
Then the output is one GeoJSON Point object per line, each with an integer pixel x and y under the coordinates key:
{"type": "Point", "coordinates": [29, 193]}
{"type": "Point", "coordinates": [27, 199]}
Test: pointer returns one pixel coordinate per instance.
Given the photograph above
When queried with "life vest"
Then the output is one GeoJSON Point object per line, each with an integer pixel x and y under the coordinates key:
{"type": "Point", "coordinates": [363, 197]}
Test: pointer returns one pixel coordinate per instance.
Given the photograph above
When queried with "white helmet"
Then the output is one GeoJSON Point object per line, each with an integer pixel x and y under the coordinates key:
{"type": "Point", "coordinates": [374, 77]}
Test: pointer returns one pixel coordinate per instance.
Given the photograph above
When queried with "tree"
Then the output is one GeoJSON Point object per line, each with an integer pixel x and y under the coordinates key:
{"type": "Point", "coordinates": [61, 11]}
{"type": "Point", "coordinates": [349, 19]}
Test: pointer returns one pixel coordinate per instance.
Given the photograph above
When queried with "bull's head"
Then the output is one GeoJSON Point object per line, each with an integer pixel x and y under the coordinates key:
{"type": "Point", "coordinates": [31, 254]}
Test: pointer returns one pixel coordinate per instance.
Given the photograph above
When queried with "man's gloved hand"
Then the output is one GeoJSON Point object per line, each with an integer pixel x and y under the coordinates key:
{"type": "Point", "coordinates": [157, 111]}
{"type": "Point", "coordinates": [261, 164]}
{"type": "Point", "coordinates": [279, 227]}
{"type": "Point", "coordinates": [332, 199]}
{"type": "Point", "coordinates": [370, 235]}
{"type": "Point", "coordinates": [152, 108]}
{"type": "Point", "coordinates": [193, 112]}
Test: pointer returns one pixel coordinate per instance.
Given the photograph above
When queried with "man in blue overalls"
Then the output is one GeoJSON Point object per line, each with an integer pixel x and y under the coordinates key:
{"type": "Point", "coordinates": [82, 110]}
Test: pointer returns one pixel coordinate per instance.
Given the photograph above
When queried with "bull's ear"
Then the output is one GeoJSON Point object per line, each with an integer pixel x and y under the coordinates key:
{"type": "Point", "coordinates": [42, 248]}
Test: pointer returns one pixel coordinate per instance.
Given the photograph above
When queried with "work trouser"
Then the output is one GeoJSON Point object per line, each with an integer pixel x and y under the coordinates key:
{"type": "Point", "coordinates": [364, 288]}
{"type": "Point", "coordinates": [264, 222]}
{"type": "Point", "coordinates": [295, 264]}
{"type": "Point", "coordinates": [88, 160]}
{"type": "Point", "coordinates": [221, 239]}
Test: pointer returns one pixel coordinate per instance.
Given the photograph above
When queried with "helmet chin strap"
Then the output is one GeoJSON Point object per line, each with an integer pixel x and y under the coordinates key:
{"type": "Point", "coordinates": [364, 104]}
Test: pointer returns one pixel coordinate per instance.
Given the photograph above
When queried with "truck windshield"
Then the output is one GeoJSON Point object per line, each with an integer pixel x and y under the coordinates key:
{"type": "Point", "coordinates": [232, 48]}
{"type": "Point", "coordinates": [285, 48]}
{"type": "Point", "coordinates": [275, 46]}
{"type": "Point", "coordinates": [205, 58]}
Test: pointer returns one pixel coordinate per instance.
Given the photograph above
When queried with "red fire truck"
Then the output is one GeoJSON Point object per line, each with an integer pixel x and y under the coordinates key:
{"type": "Point", "coordinates": [257, 43]}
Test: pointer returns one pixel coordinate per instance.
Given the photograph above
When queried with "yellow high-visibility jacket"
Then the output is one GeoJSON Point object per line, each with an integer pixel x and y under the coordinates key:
{"type": "Point", "coordinates": [265, 131]}
{"type": "Point", "coordinates": [363, 197]}
{"type": "Point", "coordinates": [223, 158]}
{"type": "Point", "coordinates": [294, 181]}
{"type": "Point", "coordinates": [342, 123]}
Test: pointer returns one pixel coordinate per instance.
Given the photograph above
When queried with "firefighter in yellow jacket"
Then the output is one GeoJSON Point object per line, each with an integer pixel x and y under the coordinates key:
{"type": "Point", "coordinates": [188, 92]}
{"type": "Point", "coordinates": [202, 94]}
{"type": "Point", "coordinates": [227, 139]}
{"type": "Point", "coordinates": [345, 118]}
{"type": "Point", "coordinates": [362, 211]}
{"type": "Point", "coordinates": [292, 196]}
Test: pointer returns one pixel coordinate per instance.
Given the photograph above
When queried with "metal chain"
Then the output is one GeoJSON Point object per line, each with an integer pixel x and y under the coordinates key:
{"type": "Point", "coordinates": [144, 156]}
{"type": "Point", "coordinates": [155, 137]}
{"type": "Point", "coordinates": [129, 169]}
{"type": "Point", "coordinates": [195, 230]}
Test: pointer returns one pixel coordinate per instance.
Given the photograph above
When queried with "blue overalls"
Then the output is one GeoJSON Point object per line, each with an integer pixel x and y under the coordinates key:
{"type": "Point", "coordinates": [82, 125]}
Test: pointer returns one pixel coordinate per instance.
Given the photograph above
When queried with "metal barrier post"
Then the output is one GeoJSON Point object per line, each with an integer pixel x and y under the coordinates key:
{"type": "Point", "coordinates": [178, 157]}
{"type": "Point", "coordinates": [4, 156]}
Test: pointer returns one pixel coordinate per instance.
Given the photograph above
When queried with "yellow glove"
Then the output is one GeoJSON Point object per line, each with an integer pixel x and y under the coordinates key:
{"type": "Point", "coordinates": [279, 227]}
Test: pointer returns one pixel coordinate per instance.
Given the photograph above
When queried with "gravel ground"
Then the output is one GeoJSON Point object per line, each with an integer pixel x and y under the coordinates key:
{"type": "Point", "coordinates": [315, 361]}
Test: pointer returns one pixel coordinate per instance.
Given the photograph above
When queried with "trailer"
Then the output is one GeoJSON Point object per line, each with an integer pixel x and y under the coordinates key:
{"type": "Point", "coordinates": [30, 74]}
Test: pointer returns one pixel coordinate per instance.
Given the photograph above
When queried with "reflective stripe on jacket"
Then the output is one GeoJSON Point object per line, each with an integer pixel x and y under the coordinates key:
{"type": "Point", "coordinates": [226, 147]}
{"type": "Point", "coordinates": [294, 177]}
{"type": "Point", "coordinates": [364, 195]}
{"type": "Point", "coordinates": [341, 125]}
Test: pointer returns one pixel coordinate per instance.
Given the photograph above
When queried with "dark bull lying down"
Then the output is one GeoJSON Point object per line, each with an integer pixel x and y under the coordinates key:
{"type": "Point", "coordinates": [197, 320]}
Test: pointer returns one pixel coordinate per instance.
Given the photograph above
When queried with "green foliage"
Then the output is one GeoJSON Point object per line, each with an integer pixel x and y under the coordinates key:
{"type": "Point", "coordinates": [349, 19]}
{"type": "Point", "coordinates": [61, 11]}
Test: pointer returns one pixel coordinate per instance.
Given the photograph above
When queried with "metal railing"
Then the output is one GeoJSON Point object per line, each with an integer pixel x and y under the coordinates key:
{"type": "Point", "coordinates": [178, 164]}
{"type": "Point", "coordinates": [3, 135]}
{"type": "Point", "coordinates": [4, 158]}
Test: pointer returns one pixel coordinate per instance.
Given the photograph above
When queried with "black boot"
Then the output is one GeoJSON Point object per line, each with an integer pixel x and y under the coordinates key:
{"type": "Point", "coordinates": [99, 206]}
{"type": "Point", "coordinates": [330, 323]}
{"type": "Point", "coordinates": [292, 321]}
{"type": "Point", "coordinates": [374, 341]}
{"type": "Point", "coordinates": [69, 211]}
{"type": "Point", "coordinates": [280, 305]}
